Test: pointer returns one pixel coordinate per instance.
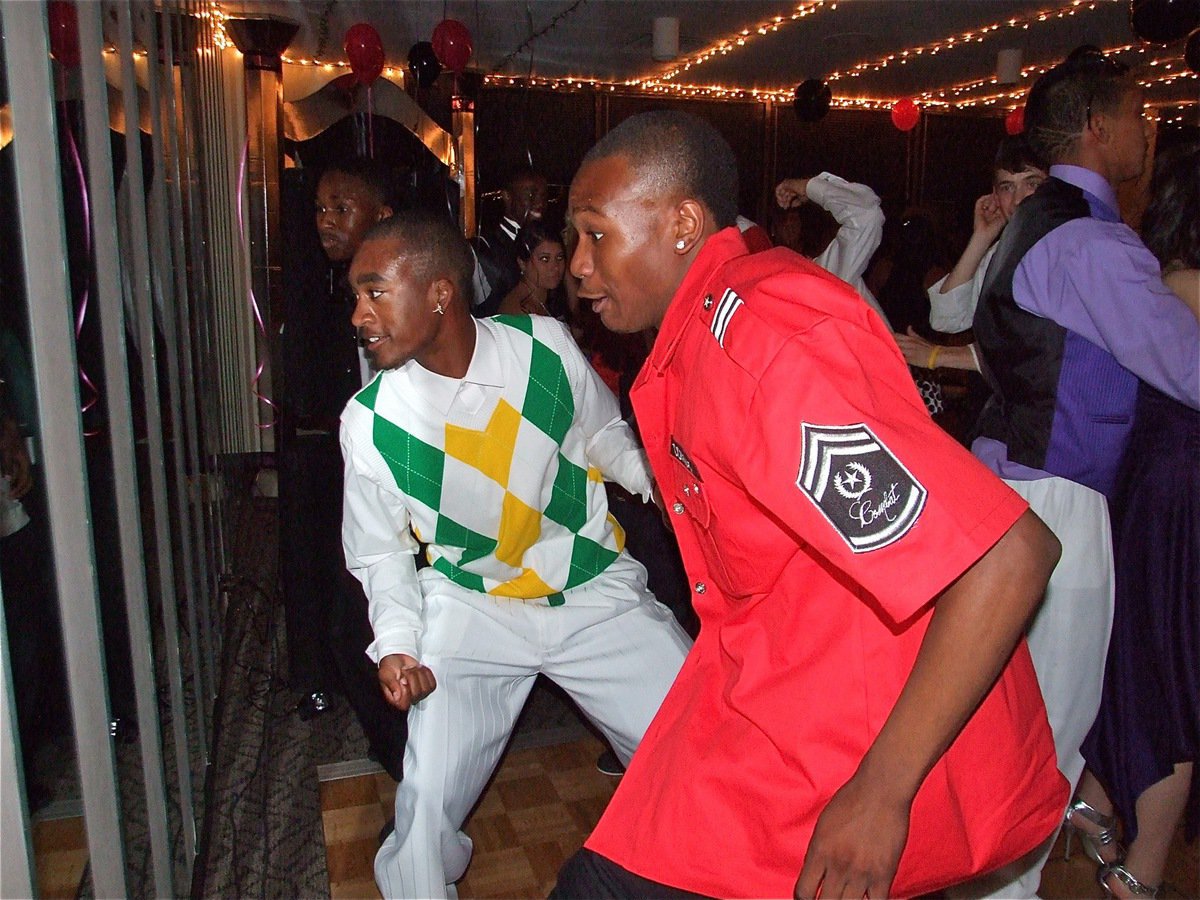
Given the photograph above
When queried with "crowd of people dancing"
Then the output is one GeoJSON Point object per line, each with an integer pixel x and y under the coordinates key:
{"type": "Point", "coordinates": [874, 568]}
{"type": "Point", "coordinates": [919, 654]}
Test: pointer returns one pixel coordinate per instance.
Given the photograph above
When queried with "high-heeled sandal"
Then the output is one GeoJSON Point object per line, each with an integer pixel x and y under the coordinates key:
{"type": "Point", "coordinates": [1123, 875]}
{"type": "Point", "coordinates": [1093, 842]}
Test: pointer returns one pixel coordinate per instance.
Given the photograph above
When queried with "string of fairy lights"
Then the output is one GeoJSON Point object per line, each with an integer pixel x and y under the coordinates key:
{"type": "Point", "coordinates": [733, 42]}
{"type": "Point", "coordinates": [1162, 68]}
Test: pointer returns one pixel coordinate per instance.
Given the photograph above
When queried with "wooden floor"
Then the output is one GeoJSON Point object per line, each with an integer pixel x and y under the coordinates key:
{"type": "Point", "coordinates": [541, 805]}
{"type": "Point", "coordinates": [537, 811]}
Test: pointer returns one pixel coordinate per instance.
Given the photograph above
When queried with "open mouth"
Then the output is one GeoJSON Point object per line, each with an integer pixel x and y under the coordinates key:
{"type": "Point", "coordinates": [371, 341]}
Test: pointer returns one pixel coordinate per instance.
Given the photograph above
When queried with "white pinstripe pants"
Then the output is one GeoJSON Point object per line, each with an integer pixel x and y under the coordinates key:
{"type": "Point", "coordinates": [611, 646]}
{"type": "Point", "coordinates": [1068, 641]}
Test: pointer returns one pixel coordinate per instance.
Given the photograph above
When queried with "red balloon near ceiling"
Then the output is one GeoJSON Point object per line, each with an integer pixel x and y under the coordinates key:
{"type": "Point", "coordinates": [364, 50]}
{"type": "Point", "coordinates": [1014, 122]}
{"type": "Point", "coordinates": [452, 44]}
{"type": "Point", "coordinates": [905, 114]}
{"type": "Point", "coordinates": [64, 32]}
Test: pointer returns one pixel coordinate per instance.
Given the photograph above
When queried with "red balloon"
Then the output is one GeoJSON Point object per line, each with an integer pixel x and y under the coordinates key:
{"type": "Point", "coordinates": [364, 50]}
{"type": "Point", "coordinates": [905, 114]}
{"type": "Point", "coordinates": [1014, 122]}
{"type": "Point", "coordinates": [452, 44]}
{"type": "Point", "coordinates": [64, 32]}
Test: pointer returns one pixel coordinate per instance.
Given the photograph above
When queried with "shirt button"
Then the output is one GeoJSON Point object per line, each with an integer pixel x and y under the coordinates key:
{"type": "Point", "coordinates": [708, 301]}
{"type": "Point", "coordinates": [678, 508]}
{"type": "Point", "coordinates": [701, 587]}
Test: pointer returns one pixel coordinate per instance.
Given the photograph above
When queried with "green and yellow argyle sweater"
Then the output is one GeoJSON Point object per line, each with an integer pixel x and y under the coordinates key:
{"type": "Point", "coordinates": [500, 486]}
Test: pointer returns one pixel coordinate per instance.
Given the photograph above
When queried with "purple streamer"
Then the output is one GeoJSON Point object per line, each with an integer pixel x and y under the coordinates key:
{"type": "Point", "coordinates": [81, 312]}
{"type": "Point", "coordinates": [258, 319]}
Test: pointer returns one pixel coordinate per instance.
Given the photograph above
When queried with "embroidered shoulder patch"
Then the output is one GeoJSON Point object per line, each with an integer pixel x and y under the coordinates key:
{"type": "Point", "coordinates": [858, 485]}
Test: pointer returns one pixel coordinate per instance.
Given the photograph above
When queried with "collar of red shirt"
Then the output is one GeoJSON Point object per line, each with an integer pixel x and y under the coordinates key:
{"type": "Point", "coordinates": [718, 249]}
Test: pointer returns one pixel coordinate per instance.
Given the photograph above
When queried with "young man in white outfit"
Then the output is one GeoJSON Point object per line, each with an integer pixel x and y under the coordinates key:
{"type": "Point", "coordinates": [856, 209]}
{"type": "Point", "coordinates": [489, 440]}
{"type": "Point", "coordinates": [1016, 174]}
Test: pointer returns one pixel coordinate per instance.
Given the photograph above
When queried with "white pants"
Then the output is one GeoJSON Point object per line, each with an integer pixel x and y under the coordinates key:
{"type": "Point", "coordinates": [611, 646]}
{"type": "Point", "coordinates": [1068, 641]}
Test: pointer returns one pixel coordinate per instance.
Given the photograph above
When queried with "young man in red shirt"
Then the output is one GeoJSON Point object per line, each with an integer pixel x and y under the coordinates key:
{"type": "Point", "coordinates": [859, 716]}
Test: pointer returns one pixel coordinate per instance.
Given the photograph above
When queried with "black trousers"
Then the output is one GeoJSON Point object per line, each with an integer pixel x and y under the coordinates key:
{"type": "Point", "coordinates": [590, 876]}
{"type": "Point", "coordinates": [325, 610]}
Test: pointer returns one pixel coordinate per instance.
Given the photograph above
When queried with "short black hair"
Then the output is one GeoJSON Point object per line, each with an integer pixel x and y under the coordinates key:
{"type": "Point", "coordinates": [1060, 102]}
{"type": "Point", "coordinates": [373, 175]}
{"type": "Point", "coordinates": [1171, 223]}
{"type": "Point", "coordinates": [535, 232]}
{"type": "Point", "coordinates": [522, 173]}
{"type": "Point", "coordinates": [435, 246]}
{"type": "Point", "coordinates": [1015, 155]}
{"type": "Point", "coordinates": [682, 154]}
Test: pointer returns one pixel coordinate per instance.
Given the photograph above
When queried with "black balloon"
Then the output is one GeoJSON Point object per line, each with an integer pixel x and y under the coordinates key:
{"type": "Point", "coordinates": [812, 99]}
{"type": "Point", "coordinates": [1191, 52]}
{"type": "Point", "coordinates": [423, 64]}
{"type": "Point", "coordinates": [1163, 21]}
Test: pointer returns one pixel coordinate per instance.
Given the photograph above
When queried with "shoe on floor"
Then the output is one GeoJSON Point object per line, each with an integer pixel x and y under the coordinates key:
{"type": "Point", "coordinates": [312, 705]}
{"type": "Point", "coordinates": [608, 764]}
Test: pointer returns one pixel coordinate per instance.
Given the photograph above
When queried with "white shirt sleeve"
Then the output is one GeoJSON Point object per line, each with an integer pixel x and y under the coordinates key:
{"type": "Point", "coordinates": [611, 446]}
{"type": "Point", "coordinates": [954, 311]}
{"type": "Point", "coordinates": [856, 209]}
{"type": "Point", "coordinates": [380, 552]}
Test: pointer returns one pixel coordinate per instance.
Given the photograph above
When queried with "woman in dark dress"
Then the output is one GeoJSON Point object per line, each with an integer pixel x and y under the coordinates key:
{"type": "Point", "coordinates": [1142, 750]}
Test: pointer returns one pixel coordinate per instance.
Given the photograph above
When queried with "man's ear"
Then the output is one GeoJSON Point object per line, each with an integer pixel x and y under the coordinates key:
{"type": "Point", "coordinates": [385, 212]}
{"type": "Point", "coordinates": [441, 293]}
{"type": "Point", "coordinates": [692, 220]}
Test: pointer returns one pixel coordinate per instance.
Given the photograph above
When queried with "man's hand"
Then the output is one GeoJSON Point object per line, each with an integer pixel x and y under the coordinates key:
{"type": "Point", "coordinates": [404, 680]}
{"type": "Point", "coordinates": [855, 847]}
{"type": "Point", "coordinates": [989, 217]}
{"type": "Point", "coordinates": [916, 349]}
{"type": "Point", "coordinates": [791, 192]}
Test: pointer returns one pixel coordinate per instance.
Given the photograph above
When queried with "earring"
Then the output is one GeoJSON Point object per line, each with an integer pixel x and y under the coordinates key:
{"type": "Point", "coordinates": [680, 244]}
{"type": "Point", "coordinates": [439, 309]}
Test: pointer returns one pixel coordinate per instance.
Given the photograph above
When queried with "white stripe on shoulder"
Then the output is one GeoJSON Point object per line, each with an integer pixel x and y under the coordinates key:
{"type": "Point", "coordinates": [730, 303]}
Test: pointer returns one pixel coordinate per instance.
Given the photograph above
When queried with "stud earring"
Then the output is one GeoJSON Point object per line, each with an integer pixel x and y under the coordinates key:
{"type": "Point", "coordinates": [680, 244]}
{"type": "Point", "coordinates": [439, 309]}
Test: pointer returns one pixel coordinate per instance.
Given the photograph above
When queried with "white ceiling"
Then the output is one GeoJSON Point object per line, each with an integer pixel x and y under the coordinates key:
{"type": "Point", "coordinates": [610, 40]}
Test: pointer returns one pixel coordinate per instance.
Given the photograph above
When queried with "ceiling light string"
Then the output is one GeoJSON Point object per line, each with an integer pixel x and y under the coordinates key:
{"type": "Point", "coordinates": [1032, 71]}
{"type": "Point", "coordinates": [739, 39]}
{"type": "Point", "coordinates": [974, 35]}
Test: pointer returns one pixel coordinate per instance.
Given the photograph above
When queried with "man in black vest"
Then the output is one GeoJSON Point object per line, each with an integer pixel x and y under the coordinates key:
{"type": "Point", "coordinates": [1072, 314]}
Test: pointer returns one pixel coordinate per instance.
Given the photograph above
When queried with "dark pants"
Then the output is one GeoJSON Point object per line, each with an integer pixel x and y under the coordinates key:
{"type": "Point", "coordinates": [325, 610]}
{"type": "Point", "coordinates": [590, 876]}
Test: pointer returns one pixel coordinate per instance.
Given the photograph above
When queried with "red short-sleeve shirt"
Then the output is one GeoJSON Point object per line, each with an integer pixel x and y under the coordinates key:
{"type": "Point", "coordinates": [819, 511]}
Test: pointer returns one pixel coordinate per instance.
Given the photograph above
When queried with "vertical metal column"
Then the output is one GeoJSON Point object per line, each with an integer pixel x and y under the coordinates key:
{"type": "Point", "coordinates": [16, 862]}
{"type": "Point", "coordinates": [166, 314]}
{"type": "Point", "coordinates": [44, 255]}
{"type": "Point", "coordinates": [178, 25]}
{"type": "Point", "coordinates": [107, 256]}
{"type": "Point", "coordinates": [143, 305]}
{"type": "Point", "coordinates": [462, 119]}
{"type": "Point", "coordinates": [261, 42]}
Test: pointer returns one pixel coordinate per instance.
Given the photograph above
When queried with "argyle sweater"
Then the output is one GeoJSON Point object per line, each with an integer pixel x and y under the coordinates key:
{"type": "Point", "coordinates": [500, 472]}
